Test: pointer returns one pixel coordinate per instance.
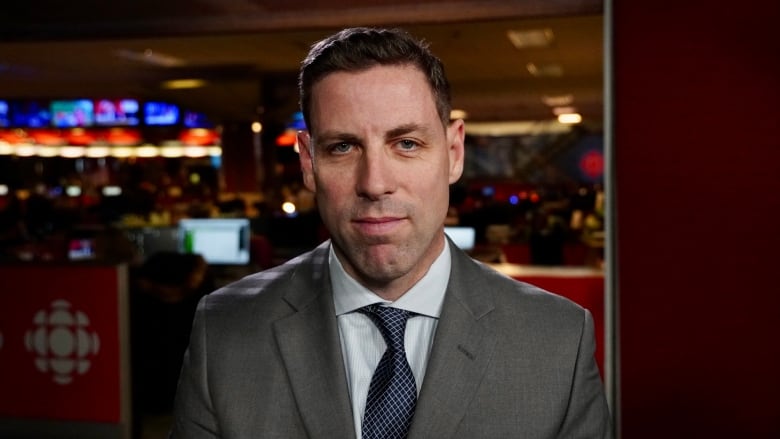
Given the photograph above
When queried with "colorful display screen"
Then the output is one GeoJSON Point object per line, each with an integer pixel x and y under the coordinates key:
{"type": "Point", "coordinates": [161, 113]}
{"type": "Point", "coordinates": [5, 119]}
{"type": "Point", "coordinates": [117, 112]}
{"type": "Point", "coordinates": [73, 113]}
{"type": "Point", "coordinates": [30, 114]}
{"type": "Point", "coordinates": [195, 119]}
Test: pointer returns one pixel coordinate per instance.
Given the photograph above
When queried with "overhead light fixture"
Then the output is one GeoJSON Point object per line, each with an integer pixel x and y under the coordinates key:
{"type": "Point", "coordinates": [26, 150]}
{"type": "Point", "coordinates": [546, 70]}
{"type": "Point", "coordinates": [177, 84]}
{"type": "Point", "coordinates": [47, 151]}
{"type": "Point", "coordinates": [512, 128]}
{"type": "Point", "coordinates": [121, 151]}
{"type": "Point", "coordinates": [72, 151]}
{"type": "Point", "coordinates": [456, 114]}
{"type": "Point", "coordinates": [98, 151]}
{"type": "Point", "coordinates": [111, 191]}
{"type": "Point", "coordinates": [530, 38]}
{"type": "Point", "coordinates": [146, 151]}
{"type": "Point", "coordinates": [149, 56]}
{"type": "Point", "coordinates": [569, 118]}
{"type": "Point", "coordinates": [563, 110]}
{"type": "Point", "coordinates": [558, 101]}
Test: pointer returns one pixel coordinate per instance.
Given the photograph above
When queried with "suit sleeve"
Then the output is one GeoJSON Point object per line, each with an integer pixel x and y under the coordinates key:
{"type": "Point", "coordinates": [193, 413]}
{"type": "Point", "coordinates": [587, 415]}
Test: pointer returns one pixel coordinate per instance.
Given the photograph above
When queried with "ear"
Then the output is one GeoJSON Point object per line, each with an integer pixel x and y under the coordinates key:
{"type": "Point", "coordinates": [307, 161]}
{"type": "Point", "coordinates": [456, 133]}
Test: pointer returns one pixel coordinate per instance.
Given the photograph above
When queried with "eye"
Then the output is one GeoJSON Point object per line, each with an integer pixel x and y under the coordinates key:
{"type": "Point", "coordinates": [340, 148]}
{"type": "Point", "coordinates": [408, 145]}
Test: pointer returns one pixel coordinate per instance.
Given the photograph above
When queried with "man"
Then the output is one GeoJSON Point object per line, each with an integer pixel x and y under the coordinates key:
{"type": "Point", "coordinates": [292, 352]}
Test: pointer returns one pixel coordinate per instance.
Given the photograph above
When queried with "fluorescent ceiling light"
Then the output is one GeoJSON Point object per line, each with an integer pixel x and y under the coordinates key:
{"type": "Point", "coordinates": [524, 39]}
{"type": "Point", "coordinates": [174, 84]}
{"type": "Point", "coordinates": [569, 118]}
{"type": "Point", "coordinates": [546, 70]}
{"type": "Point", "coordinates": [558, 101]}
{"type": "Point", "coordinates": [149, 56]}
{"type": "Point", "coordinates": [511, 128]}
{"type": "Point", "coordinates": [563, 110]}
{"type": "Point", "coordinates": [458, 114]}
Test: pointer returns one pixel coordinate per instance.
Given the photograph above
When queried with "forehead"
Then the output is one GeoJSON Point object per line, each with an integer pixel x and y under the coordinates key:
{"type": "Point", "coordinates": [389, 92]}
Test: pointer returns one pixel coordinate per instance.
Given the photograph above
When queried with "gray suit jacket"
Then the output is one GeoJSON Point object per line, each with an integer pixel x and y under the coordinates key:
{"type": "Point", "coordinates": [508, 361]}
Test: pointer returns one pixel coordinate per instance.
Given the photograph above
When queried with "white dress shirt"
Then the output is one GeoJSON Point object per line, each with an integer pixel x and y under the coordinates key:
{"type": "Point", "coordinates": [362, 345]}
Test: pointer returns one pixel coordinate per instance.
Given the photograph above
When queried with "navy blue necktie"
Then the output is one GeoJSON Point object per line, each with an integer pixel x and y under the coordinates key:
{"type": "Point", "coordinates": [392, 394]}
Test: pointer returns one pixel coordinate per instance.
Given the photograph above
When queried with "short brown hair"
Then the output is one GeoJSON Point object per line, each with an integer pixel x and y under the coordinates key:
{"type": "Point", "coordinates": [360, 48]}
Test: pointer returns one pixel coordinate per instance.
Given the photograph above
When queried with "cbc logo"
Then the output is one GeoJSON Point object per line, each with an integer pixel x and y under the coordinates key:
{"type": "Point", "coordinates": [62, 342]}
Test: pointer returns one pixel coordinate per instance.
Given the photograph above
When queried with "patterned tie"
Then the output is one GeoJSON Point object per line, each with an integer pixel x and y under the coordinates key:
{"type": "Point", "coordinates": [392, 394]}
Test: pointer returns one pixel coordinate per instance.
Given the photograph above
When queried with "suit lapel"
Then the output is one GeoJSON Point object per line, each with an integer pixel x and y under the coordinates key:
{"type": "Point", "coordinates": [311, 351]}
{"type": "Point", "coordinates": [462, 349]}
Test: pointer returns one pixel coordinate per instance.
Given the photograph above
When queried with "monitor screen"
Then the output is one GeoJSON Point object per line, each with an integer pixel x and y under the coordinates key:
{"type": "Point", "coordinates": [221, 241]}
{"type": "Point", "coordinates": [117, 112]}
{"type": "Point", "coordinates": [151, 240]}
{"type": "Point", "coordinates": [161, 113]}
{"type": "Point", "coordinates": [195, 119]}
{"type": "Point", "coordinates": [72, 113]}
{"type": "Point", "coordinates": [80, 249]}
{"type": "Point", "coordinates": [30, 114]}
{"type": "Point", "coordinates": [5, 120]}
{"type": "Point", "coordinates": [463, 237]}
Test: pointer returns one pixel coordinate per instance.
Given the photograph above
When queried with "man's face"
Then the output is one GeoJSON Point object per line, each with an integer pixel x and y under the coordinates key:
{"type": "Point", "coordinates": [380, 167]}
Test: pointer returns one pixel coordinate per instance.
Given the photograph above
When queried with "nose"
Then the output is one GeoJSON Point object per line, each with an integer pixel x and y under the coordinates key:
{"type": "Point", "coordinates": [375, 175]}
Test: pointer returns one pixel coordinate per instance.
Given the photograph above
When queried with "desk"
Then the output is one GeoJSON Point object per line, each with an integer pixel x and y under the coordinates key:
{"type": "Point", "coordinates": [583, 285]}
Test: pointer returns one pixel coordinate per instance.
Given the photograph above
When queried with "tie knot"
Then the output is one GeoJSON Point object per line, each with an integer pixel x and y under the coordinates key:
{"type": "Point", "coordinates": [391, 323]}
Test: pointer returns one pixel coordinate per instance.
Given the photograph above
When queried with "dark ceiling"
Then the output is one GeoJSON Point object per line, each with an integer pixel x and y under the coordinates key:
{"type": "Point", "coordinates": [96, 48]}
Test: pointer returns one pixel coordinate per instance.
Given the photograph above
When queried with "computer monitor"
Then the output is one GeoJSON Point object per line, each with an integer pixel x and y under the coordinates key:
{"type": "Point", "coordinates": [153, 239]}
{"type": "Point", "coordinates": [463, 237]}
{"type": "Point", "coordinates": [221, 241]}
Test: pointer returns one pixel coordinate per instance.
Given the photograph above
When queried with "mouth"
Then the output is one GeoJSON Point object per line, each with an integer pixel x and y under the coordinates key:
{"type": "Point", "coordinates": [378, 226]}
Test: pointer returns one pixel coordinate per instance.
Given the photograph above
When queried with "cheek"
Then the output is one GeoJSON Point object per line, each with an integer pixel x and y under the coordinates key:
{"type": "Point", "coordinates": [332, 190]}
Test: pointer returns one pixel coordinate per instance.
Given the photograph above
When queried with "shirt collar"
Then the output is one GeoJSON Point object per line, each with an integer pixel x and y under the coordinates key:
{"type": "Point", "coordinates": [425, 297]}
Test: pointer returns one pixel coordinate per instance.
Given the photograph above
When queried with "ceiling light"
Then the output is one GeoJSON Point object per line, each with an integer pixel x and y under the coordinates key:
{"type": "Point", "coordinates": [146, 151]}
{"type": "Point", "coordinates": [458, 114]}
{"type": "Point", "coordinates": [563, 110]}
{"type": "Point", "coordinates": [149, 56]}
{"type": "Point", "coordinates": [121, 152]}
{"type": "Point", "coordinates": [511, 128]}
{"type": "Point", "coordinates": [524, 39]}
{"type": "Point", "coordinates": [72, 151]}
{"type": "Point", "coordinates": [175, 84]}
{"type": "Point", "coordinates": [98, 151]}
{"type": "Point", "coordinates": [171, 151]}
{"type": "Point", "coordinates": [26, 150]}
{"type": "Point", "coordinates": [569, 118]}
{"type": "Point", "coordinates": [47, 151]}
{"type": "Point", "coordinates": [558, 101]}
{"type": "Point", "coordinates": [111, 191]}
{"type": "Point", "coordinates": [546, 70]}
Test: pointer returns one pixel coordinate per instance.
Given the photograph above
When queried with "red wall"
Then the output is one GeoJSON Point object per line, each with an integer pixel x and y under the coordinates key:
{"type": "Point", "coordinates": [697, 156]}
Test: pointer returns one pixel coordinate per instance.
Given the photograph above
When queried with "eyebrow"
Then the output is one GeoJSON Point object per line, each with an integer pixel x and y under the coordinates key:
{"type": "Point", "coordinates": [403, 130]}
{"type": "Point", "coordinates": [392, 133]}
